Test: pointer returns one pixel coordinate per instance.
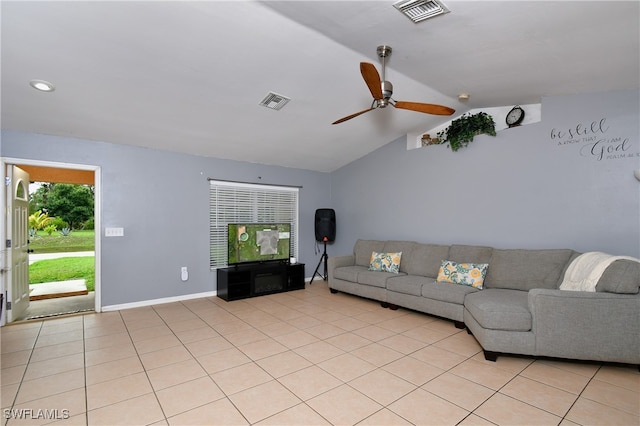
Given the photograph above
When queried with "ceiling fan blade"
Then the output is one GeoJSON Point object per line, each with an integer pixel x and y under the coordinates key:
{"type": "Point", "coordinates": [426, 108]}
{"type": "Point", "coordinates": [349, 117]}
{"type": "Point", "coordinates": [372, 78]}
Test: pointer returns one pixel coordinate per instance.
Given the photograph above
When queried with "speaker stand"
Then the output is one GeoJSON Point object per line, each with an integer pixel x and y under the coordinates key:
{"type": "Point", "coordinates": [323, 258]}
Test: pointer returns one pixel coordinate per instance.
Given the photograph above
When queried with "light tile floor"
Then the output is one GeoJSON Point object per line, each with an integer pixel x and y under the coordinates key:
{"type": "Point", "coordinates": [306, 357]}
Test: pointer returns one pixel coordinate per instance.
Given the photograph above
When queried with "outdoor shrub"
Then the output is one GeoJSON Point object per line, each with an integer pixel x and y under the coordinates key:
{"type": "Point", "coordinates": [65, 231]}
{"type": "Point", "coordinates": [39, 220]}
{"type": "Point", "coordinates": [59, 223]}
{"type": "Point", "coordinates": [33, 232]}
{"type": "Point", "coordinates": [50, 229]}
{"type": "Point", "coordinates": [89, 225]}
{"type": "Point", "coordinates": [73, 203]}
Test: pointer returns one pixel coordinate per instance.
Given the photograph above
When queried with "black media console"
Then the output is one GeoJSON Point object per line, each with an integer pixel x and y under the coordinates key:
{"type": "Point", "coordinates": [257, 279]}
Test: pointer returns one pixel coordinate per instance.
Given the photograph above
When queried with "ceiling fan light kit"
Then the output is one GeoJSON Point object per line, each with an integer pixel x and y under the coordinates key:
{"type": "Point", "coordinates": [382, 90]}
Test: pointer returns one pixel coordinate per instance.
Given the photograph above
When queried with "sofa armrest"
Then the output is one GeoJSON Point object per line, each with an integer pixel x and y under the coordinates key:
{"type": "Point", "coordinates": [339, 261]}
{"type": "Point", "coordinates": [586, 325]}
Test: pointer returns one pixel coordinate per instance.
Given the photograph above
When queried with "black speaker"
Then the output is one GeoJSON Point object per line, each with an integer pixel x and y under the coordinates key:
{"type": "Point", "coordinates": [325, 225]}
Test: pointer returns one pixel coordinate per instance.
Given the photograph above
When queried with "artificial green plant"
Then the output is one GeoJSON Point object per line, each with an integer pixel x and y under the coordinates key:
{"type": "Point", "coordinates": [462, 130]}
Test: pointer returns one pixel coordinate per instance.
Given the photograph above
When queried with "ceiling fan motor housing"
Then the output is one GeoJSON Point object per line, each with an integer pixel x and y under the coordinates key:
{"type": "Point", "coordinates": [387, 89]}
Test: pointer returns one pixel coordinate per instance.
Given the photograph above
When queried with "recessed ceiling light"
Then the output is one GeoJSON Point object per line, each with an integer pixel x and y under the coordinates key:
{"type": "Point", "coordinates": [41, 85]}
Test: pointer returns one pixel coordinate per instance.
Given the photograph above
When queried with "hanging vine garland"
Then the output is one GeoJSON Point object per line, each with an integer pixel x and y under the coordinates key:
{"type": "Point", "coordinates": [462, 130]}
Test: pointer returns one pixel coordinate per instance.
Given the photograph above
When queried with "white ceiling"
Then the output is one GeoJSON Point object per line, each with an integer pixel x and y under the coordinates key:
{"type": "Point", "coordinates": [188, 76]}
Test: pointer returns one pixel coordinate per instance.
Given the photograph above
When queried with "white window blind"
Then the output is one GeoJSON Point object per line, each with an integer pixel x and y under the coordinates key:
{"type": "Point", "coordinates": [234, 202]}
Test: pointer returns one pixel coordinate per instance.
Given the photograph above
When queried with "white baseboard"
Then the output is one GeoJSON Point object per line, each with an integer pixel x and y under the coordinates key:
{"type": "Point", "coordinates": [144, 303]}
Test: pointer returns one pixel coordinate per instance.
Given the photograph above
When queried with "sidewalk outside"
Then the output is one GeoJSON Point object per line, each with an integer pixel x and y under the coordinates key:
{"type": "Point", "coordinates": [33, 257]}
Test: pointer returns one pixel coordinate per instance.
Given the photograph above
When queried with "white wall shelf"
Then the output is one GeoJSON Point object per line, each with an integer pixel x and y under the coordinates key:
{"type": "Point", "coordinates": [532, 114]}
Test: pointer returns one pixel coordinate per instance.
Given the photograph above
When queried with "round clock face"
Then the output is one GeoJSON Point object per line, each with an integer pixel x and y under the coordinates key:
{"type": "Point", "coordinates": [515, 116]}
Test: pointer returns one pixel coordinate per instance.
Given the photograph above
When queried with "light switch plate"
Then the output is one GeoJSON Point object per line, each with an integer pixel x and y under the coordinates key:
{"type": "Point", "coordinates": [113, 232]}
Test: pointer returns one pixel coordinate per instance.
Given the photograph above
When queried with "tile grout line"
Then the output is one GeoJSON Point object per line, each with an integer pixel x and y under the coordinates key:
{"type": "Point", "coordinates": [578, 395]}
{"type": "Point", "coordinates": [253, 362]}
{"type": "Point", "coordinates": [84, 359]}
{"type": "Point", "coordinates": [348, 383]}
{"type": "Point", "coordinates": [24, 373]}
{"type": "Point", "coordinates": [301, 401]}
{"type": "Point", "coordinates": [581, 392]}
{"type": "Point", "coordinates": [143, 368]}
{"type": "Point", "coordinates": [197, 361]}
{"type": "Point", "coordinates": [305, 402]}
{"type": "Point", "coordinates": [271, 307]}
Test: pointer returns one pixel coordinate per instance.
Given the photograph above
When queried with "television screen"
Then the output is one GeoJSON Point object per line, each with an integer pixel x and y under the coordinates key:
{"type": "Point", "coordinates": [258, 242]}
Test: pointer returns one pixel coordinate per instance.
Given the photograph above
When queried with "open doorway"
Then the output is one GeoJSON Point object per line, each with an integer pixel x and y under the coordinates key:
{"type": "Point", "coordinates": [61, 243]}
{"type": "Point", "coordinates": [59, 299]}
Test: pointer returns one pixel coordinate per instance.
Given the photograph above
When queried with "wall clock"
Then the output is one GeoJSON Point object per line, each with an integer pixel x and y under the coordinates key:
{"type": "Point", "coordinates": [515, 116]}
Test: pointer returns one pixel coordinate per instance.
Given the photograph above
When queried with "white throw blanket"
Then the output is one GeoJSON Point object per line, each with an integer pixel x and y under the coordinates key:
{"type": "Point", "coordinates": [585, 270]}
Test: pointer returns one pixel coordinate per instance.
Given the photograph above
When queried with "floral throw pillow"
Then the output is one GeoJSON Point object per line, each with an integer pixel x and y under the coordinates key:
{"type": "Point", "coordinates": [471, 274]}
{"type": "Point", "coordinates": [385, 262]}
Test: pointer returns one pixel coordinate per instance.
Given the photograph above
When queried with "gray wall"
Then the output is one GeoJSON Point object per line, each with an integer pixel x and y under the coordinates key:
{"type": "Point", "coordinates": [161, 200]}
{"type": "Point", "coordinates": [529, 187]}
{"type": "Point", "coordinates": [542, 185]}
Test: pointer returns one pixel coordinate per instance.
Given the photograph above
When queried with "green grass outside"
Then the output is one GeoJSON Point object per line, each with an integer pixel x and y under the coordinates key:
{"type": "Point", "coordinates": [56, 243]}
{"type": "Point", "coordinates": [63, 269]}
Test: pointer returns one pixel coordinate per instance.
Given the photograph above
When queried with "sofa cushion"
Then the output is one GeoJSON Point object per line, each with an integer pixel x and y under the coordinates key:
{"type": "Point", "coordinates": [406, 247]}
{"type": "Point", "coordinates": [363, 249]}
{"type": "Point", "coordinates": [406, 284]}
{"type": "Point", "coordinates": [348, 273]}
{"type": "Point", "coordinates": [471, 254]}
{"type": "Point", "coordinates": [500, 309]}
{"type": "Point", "coordinates": [469, 274]}
{"type": "Point", "coordinates": [375, 278]}
{"type": "Point", "coordinates": [385, 262]}
{"type": "Point", "coordinates": [526, 269]}
{"type": "Point", "coordinates": [425, 259]}
{"type": "Point", "coordinates": [622, 276]}
{"type": "Point", "coordinates": [446, 292]}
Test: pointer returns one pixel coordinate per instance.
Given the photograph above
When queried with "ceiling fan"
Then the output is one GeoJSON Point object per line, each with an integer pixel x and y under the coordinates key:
{"type": "Point", "coordinates": [381, 90]}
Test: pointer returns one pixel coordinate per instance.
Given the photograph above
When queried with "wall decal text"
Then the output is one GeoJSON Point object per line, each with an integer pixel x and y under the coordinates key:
{"type": "Point", "coordinates": [596, 141]}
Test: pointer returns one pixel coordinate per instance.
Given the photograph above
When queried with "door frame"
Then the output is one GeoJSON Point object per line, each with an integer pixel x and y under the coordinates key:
{"type": "Point", "coordinates": [96, 212]}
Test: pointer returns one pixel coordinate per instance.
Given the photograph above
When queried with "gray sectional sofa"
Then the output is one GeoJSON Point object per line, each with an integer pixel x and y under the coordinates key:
{"type": "Point", "coordinates": [519, 310]}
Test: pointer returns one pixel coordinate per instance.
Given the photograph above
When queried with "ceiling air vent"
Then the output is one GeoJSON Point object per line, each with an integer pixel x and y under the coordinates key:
{"type": "Point", "coordinates": [274, 101]}
{"type": "Point", "coordinates": [419, 10]}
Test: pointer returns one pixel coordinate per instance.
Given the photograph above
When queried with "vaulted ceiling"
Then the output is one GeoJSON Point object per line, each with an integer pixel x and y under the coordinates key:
{"type": "Point", "coordinates": [188, 76]}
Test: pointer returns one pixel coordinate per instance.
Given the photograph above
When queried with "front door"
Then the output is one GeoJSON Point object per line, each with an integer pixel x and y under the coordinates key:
{"type": "Point", "coordinates": [17, 242]}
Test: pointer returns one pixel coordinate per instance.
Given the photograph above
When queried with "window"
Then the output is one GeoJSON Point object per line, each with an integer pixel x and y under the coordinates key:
{"type": "Point", "coordinates": [21, 193]}
{"type": "Point", "coordinates": [234, 202]}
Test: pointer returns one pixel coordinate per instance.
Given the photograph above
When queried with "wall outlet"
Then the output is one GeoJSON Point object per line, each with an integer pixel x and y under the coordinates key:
{"type": "Point", "coordinates": [184, 273]}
